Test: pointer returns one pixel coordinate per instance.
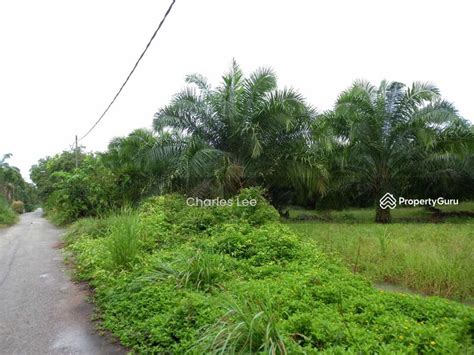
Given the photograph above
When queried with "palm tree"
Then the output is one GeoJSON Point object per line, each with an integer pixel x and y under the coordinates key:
{"type": "Point", "coordinates": [3, 161]}
{"type": "Point", "coordinates": [389, 134]}
{"type": "Point", "coordinates": [137, 175]}
{"type": "Point", "coordinates": [244, 132]}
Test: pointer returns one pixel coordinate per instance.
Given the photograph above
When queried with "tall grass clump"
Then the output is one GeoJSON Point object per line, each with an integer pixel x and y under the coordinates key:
{"type": "Point", "coordinates": [203, 271]}
{"type": "Point", "coordinates": [249, 326]}
{"type": "Point", "coordinates": [200, 270]}
{"type": "Point", "coordinates": [123, 240]}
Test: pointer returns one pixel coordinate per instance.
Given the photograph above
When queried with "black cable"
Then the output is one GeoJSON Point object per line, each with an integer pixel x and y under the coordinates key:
{"type": "Point", "coordinates": [129, 75]}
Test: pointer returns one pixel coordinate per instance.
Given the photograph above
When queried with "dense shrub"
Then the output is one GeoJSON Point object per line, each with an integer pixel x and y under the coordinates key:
{"type": "Point", "coordinates": [18, 207]}
{"type": "Point", "coordinates": [69, 192]}
{"type": "Point", "coordinates": [268, 244]}
{"type": "Point", "coordinates": [220, 280]}
{"type": "Point", "coordinates": [7, 215]}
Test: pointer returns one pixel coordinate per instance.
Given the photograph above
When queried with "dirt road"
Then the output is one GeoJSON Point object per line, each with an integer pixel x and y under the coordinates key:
{"type": "Point", "coordinates": [41, 310]}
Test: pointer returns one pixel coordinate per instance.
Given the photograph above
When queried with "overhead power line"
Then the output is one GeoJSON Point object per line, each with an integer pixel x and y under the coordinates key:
{"type": "Point", "coordinates": [131, 72]}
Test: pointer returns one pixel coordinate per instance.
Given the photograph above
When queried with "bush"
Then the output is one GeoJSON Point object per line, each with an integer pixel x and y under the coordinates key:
{"type": "Point", "coordinates": [18, 207]}
{"type": "Point", "coordinates": [7, 215]}
{"type": "Point", "coordinates": [272, 243]}
{"type": "Point", "coordinates": [256, 215]}
{"type": "Point", "coordinates": [88, 191]}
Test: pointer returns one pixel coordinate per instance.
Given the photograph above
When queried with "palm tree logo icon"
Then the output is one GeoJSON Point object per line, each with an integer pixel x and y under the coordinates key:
{"type": "Point", "coordinates": [388, 201]}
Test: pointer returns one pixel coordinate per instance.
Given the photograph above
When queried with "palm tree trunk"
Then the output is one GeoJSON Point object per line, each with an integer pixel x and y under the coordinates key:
{"type": "Point", "coordinates": [383, 215]}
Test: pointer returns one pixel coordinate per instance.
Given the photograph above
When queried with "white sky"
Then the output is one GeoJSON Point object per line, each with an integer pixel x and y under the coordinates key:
{"type": "Point", "coordinates": [61, 61]}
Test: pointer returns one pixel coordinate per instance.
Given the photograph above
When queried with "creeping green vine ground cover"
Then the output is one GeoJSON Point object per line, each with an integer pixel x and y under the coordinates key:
{"type": "Point", "coordinates": [170, 278]}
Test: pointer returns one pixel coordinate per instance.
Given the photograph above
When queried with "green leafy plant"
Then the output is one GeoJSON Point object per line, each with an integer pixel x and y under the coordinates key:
{"type": "Point", "coordinates": [272, 243]}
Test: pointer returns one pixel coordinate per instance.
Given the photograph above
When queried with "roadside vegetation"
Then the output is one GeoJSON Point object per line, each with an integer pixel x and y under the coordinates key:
{"type": "Point", "coordinates": [7, 215]}
{"type": "Point", "coordinates": [16, 195]}
{"type": "Point", "coordinates": [236, 280]}
{"type": "Point", "coordinates": [169, 278]}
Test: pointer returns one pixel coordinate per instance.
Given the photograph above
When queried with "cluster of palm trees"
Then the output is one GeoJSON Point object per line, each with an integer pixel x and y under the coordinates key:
{"type": "Point", "coordinates": [377, 139]}
{"type": "Point", "coordinates": [213, 141]}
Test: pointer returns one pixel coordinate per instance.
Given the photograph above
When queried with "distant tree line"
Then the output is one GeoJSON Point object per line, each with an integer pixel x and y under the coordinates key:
{"type": "Point", "coordinates": [13, 188]}
{"type": "Point", "coordinates": [214, 141]}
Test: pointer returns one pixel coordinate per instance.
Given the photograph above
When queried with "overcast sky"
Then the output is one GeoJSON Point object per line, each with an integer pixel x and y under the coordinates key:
{"type": "Point", "coordinates": [61, 61]}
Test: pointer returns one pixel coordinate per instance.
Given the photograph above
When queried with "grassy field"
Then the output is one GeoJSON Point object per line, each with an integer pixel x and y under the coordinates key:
{"type": "Point", "coordinates": [367, 215]}
{"type": "Point", "coordinates": [431, 258]}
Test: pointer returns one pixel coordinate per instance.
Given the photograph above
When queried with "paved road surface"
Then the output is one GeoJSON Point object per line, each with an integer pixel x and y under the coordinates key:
{"type": "Point", "coordinates": [41, 310]}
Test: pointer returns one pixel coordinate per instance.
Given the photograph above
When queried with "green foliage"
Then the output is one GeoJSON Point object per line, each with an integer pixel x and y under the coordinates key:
{"type": "Point", "coordinates": [137, 174]}
{"type": "Point", "coordinates": [250, 325]}
{"type": "Point", "coordinates": [89, 190]}
{"type": "Point", "coordinates": [42, 173]}
{"type": "Point", "coordinates": [18, 207]}
{"type": "Point", "coordinates": [245, 132]}
{"type": "Point", "coordinates": [14, 188]}
{"type": "Point", "coordinates": [269, 293]}
{"type": "Point", "coordinates": [92, 227]}
{"type": "Point", "coordinates": [199, 270]}
{"type": "Point", "coordinates": [259, 214]}
{"type": "Point", "coordinates": [7, 215]}
{"type": "Point", "coordinates": [212, 142]}
{"type": "Point", "coordinates": [271, 243]}
{"type": "Point", "coordinates": [433, 259]}
{"type": "Point", "coordinates": [399, 139]}
{"type": "Point", "coordinates": [123, 240]}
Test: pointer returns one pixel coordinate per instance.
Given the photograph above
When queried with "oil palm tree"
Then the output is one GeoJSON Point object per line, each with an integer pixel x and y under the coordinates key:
{"type": "Point", "coordinates": [389, 134]}
{"type": "Point", "coordinates": [137, 175]}
{"type": "Point", "coordinates": [244, 132]}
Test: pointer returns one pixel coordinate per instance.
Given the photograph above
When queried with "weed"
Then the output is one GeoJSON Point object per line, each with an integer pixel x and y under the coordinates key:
{"type": "Point", "coordinates": [201, 271]}
{"type": "Point", "coordinates": [123, 240]}
{"type": "Point", "coordinates": [250, 325]}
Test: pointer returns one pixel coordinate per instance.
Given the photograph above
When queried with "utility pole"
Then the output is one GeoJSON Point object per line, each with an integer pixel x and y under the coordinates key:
{"type": "Point", "coordinates": [77, 154]}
